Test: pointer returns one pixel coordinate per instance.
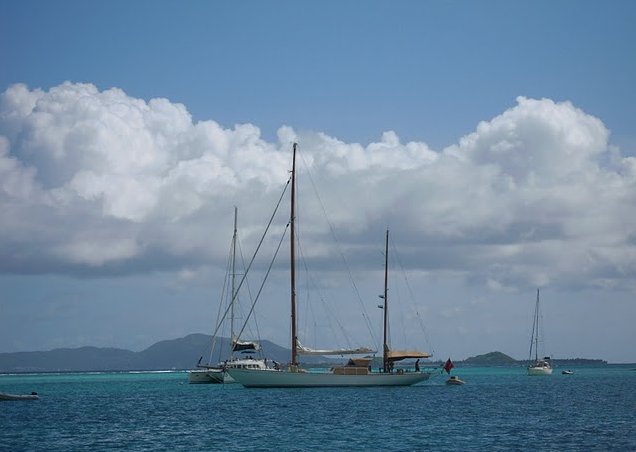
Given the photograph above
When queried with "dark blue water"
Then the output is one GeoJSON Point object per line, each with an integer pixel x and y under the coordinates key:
{"type": "Point", "coordinates": [497, 409]}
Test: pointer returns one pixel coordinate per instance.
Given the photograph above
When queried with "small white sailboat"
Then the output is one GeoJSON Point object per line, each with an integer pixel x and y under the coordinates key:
{"type": "Point", "coordinates": [217, 373]}
{"type": "Point", "coordinates": [356, 372]}
{"type": "Point", "coordinates": [537, 366]}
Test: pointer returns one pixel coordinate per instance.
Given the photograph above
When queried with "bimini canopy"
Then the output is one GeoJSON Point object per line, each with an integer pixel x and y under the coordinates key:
{"type": "Point", "coordinates": [398, 355]}
{"type": "Point", "coordinates": [245, 346]}
{"type": "Point", "coordinates": [344, 351]}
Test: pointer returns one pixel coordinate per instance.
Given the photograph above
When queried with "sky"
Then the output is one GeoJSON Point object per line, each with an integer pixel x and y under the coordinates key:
{"type": "Point", "coordinates": [495, 140]}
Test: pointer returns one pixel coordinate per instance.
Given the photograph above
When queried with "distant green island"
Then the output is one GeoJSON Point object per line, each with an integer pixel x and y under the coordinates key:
{"type": "Point", "coordinates": [501, 359]}
{"type": "Point", "coordinates": [183, 353]}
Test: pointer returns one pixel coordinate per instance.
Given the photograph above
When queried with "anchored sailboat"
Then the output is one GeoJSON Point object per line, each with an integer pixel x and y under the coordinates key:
{"type": "Point", "coordinates": [537, 366]}
{"type": "Point", "coordinates": [357, 371]}
{"type": "Point", "coordinates": [217, 373]}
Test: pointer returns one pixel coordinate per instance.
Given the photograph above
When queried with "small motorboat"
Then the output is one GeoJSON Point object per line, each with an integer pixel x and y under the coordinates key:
{"type": "Point", "coordinates": [567, 372]}
{"type": "Point", "coordinates": [454, 380]}
{"type": "Point", "coordinates": [7, 396]}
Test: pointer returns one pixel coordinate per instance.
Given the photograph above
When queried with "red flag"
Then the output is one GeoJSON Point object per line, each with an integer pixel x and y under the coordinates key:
{"type": "Point", "coordinates": [448, 366]}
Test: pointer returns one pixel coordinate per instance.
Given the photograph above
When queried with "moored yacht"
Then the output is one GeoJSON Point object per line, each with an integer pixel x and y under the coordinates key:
{"type": "Point", "coordinates": [356, 372]}
{"type": "Point", "coordinates": [536, 366]}
{"type": "Point", "coordinates": [218, 373]}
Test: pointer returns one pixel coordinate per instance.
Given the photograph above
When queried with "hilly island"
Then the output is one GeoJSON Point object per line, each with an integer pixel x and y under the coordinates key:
{"type": "Point", "coordinates": [183, 353]}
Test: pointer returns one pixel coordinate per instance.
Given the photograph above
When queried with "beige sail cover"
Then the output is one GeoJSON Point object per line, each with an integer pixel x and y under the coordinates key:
{"type": "Point", "coordinates": [397, 355]}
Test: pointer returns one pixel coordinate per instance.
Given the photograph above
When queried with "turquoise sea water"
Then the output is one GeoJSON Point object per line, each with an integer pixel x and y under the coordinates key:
{"type": "Point", "coordinates": [497, 409]}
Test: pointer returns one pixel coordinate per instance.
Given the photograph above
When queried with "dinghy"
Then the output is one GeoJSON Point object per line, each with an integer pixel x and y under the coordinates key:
{"type": "Point", "coordinates": [7, 396]}
{"type": "Point", "coordinates": [454, 380]}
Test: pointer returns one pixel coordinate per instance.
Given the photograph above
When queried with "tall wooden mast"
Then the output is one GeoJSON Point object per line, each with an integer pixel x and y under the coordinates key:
{"type": "Point", "coordinates": [536, 339]}
{"type": "Point", "coordinates": [233, 294]}
{"type": "Point", "coordinates": [294, 348]}
{"type": "Point", "coordinates": [385, 354]}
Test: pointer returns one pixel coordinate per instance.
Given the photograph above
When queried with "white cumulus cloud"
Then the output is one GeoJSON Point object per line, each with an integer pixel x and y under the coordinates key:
{"type": "Point", "coordinates": [101, 180]}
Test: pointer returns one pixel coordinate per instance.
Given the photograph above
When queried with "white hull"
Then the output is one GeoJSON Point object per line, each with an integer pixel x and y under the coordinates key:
{"type": "Point", "coordinates": [539, 371]}
{"type": "Point", "coordinates": [218, 375]}
{"type": "Point", "coordinates": [205, 376]}
{"type": "Point", "coordinates": [282, 379]}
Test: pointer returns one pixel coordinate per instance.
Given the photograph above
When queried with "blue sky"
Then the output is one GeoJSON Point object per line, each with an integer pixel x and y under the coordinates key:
{"type": "Point", "coordinates": [428, 70]}
{"type": "Point", "coordinates": [495, 139]}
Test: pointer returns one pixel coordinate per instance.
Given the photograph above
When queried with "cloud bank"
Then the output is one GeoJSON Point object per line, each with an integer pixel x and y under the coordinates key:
{"type": "Point", "coordinates": [97, 182]}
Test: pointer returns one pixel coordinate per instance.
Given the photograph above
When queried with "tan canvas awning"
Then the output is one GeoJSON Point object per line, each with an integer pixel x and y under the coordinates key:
{"type": "Point", "coordinates": [397, 355]}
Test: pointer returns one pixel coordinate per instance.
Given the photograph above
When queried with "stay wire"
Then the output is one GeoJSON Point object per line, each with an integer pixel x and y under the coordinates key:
{"type": "Point", "coordinates": [253, 257]}
{"type": "Point", "coordinates": [412, 297]}
{"type": "Point", "coordinates": [218, 314]}
{"type": "Point", "coordinates": [271, 264]}
{"type": "Point", "coordinates": [333, 235]}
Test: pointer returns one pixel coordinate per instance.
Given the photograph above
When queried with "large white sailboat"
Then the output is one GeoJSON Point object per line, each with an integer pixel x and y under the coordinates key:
{"type": "Point", "coordinates": [217, 373]}
{"type": "Point", "coordinates": [357, 371]}
{"type": "Point", "coordinates": [537, 366]}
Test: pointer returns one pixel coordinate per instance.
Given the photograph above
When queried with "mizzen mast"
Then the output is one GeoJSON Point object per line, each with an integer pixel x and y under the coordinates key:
{"type": "Point", "coordinates": [292, 257]}
{"type": "Point", "coordinates": [385, 345]}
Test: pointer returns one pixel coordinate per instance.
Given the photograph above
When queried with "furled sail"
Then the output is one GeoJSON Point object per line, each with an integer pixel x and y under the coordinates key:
{"type": "Point", "coordinates": [346, 351]}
